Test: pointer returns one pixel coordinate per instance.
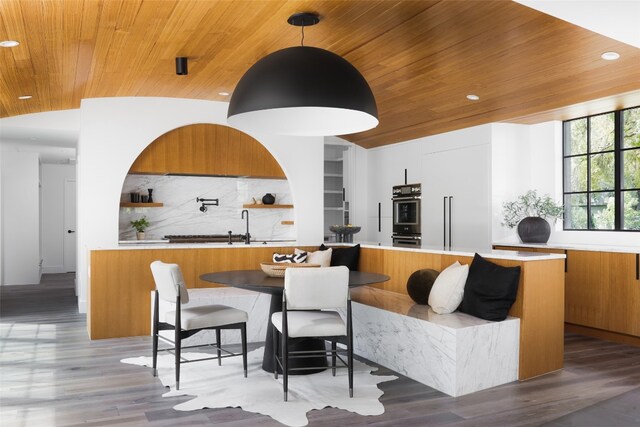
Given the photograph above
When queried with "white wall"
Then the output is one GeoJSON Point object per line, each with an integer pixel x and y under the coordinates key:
{"type": "Point", "coordinates": [114, 131]}
{"type": "Point", "coordinates": [53, 179]}
{"type": "Point", "coordinates": [511, 164]}
{"type": "Point", "coordinates": [530, 157]}
{"type": "Point", "coordinates": [20, 218]}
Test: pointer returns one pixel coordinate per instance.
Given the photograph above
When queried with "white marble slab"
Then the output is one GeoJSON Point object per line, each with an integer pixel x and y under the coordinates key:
{"type": "Point", "coordinates": [181, 215]}
{"type": "Point", "coordinates": [254, 303]}
{"type": "Point", "coordinates": [456, 354]}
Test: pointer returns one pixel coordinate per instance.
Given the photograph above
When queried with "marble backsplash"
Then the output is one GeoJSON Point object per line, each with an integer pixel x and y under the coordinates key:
{"type": "Point", "coordinates": [181, 215]}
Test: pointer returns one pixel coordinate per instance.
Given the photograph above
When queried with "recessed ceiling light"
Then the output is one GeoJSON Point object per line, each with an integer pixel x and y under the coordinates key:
{"type": "Point", "coordinates": [25, 97]}
{"type": "Point", "coordinates": [473, 97]}
{"type": "Point", "coordinates": [610, 56]}
{"type": "Point", "coordinates": [9, 43]}
{"type": "Point", "coordinates": [224, 93]}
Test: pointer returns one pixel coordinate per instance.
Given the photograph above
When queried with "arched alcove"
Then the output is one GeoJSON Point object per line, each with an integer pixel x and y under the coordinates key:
{"type": "Point", "coordinates": [207, 149]}
{"type": "Point", "coordinates": [206, 161]}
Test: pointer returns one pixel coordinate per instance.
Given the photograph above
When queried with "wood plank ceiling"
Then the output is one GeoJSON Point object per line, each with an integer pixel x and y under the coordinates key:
{"type": "Point", "coordinates": [421, 58]}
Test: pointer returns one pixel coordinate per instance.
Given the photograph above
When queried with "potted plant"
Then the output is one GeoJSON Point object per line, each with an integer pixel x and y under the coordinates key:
{"type": "Point", "coordinates": [140, 225]}
{"type": "Point", "coordinates": [530, 213]}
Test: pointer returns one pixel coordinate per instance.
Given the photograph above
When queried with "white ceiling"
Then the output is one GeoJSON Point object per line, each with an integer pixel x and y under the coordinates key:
{"type": "Point", "coordinates": [53, 134]}
{"type": "Point", "coordinates": [616, 19]}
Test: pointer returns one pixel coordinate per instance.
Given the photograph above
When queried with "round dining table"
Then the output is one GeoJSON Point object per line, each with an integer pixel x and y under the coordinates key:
{"type": "Point", "coordinates": [258, 281]}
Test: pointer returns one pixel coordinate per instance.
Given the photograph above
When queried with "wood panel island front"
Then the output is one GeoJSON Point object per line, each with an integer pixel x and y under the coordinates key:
{"type": "Point", "coordinates": [120, 282]}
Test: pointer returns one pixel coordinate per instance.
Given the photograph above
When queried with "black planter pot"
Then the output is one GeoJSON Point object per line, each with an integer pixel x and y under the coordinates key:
{"type": "Point", "coordinates": [534, 229]}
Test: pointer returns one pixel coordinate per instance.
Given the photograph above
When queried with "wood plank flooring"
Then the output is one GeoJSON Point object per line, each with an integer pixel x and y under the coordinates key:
{"type": "Point", "coordinates": [52, 375]}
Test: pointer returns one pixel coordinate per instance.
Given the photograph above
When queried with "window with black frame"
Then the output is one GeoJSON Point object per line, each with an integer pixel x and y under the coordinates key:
{"type": "Point", "coordinates": [602, 171]}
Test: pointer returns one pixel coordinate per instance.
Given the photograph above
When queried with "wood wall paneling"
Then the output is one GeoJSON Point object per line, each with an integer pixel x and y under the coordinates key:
{"type": "Point", "coordinates": [542, 306]}
{"type": "Point", "coordinates": [621, 293]}
{"type": "Point", "coordinates": [602, 294]}
{"type": "Point", "coordinates": [207, 149]}
{"type": "Point", "coordinates": [120, 282]}
{"type": "Point", "coordinates": [421, 58]}
{"type": "Point", "coordinates": [584, 294]}
{"type": "Point", "coordinates": [539, 303]}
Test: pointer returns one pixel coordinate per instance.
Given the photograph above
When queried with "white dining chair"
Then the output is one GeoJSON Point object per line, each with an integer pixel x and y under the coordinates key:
{"type": "Point", "coordinates": [170, 286]}
{"type": "Point", "coordinates": [309, 302]}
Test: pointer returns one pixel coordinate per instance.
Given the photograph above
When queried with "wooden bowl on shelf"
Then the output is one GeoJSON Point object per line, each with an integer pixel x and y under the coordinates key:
{"type": "Point", "coordinates": [277, 269]}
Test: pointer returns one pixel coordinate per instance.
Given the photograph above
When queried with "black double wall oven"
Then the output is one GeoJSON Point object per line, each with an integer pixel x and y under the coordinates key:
{"type": "Point", "coordinates": [407, 231]}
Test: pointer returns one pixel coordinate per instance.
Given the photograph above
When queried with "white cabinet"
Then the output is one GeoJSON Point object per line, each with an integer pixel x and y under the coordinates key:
{"type": "Point", "coordinates": [381, 235]}
{"type": "Point", "coordinates": [461, 177]}
{"type": "Point", "coordinates": [387, 168]}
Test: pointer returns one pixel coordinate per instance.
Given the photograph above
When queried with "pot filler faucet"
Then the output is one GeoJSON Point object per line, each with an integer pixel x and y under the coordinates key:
{"type": "Point", "coordinates": [247, 236]}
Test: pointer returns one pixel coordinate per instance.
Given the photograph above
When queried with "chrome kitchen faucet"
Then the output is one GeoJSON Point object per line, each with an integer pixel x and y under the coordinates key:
{"type": "Point", "coordinates": [247, 236]}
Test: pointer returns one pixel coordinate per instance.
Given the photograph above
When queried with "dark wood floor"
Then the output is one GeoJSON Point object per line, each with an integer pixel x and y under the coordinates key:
{"type": "Point", "coordinates": [52, 375]}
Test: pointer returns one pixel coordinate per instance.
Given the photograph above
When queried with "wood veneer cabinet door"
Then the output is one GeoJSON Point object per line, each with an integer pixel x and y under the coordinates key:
{"type": "Point", "coordinates": [584, 290]}
{"type": "Point", "coordinates": [206, 149]}
{"type": "Point", "coordinates": [622, 293]}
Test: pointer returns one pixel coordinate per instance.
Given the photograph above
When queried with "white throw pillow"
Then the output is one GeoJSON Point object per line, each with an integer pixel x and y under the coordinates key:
{"type": "Point", "coordinates": [448, 288]}
{"type": "Point", "coordinates": [318, 257]}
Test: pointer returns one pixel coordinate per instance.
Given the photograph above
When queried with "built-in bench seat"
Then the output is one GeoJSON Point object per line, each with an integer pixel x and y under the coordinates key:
{"type": "Point", "coordinates": [454, 353]}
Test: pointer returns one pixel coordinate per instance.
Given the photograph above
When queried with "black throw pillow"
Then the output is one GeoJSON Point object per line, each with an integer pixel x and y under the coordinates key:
{"type": "Point", "coordinates": [420, 283]}
{"type": "Point", "coordinates": [490, 290]}
{"type": "Point", "coordinates": [347, 256]}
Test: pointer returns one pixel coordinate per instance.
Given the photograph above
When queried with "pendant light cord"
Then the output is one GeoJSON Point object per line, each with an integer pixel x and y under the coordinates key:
{"type": "Point", "coordinates": [302, 41]}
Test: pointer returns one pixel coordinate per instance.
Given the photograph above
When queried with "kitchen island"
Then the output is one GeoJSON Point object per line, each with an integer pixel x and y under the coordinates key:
{"type": "Point", "coordinates": [120, 282]}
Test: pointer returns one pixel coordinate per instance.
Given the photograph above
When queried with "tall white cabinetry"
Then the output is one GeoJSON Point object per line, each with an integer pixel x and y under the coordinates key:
{"type": "Point", "coordinates": [460, 178]}
{"type": "Point", "coordinates": [387, 166]}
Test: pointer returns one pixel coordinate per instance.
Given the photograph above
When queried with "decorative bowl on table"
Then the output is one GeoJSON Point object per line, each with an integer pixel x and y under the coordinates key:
{"type": "Point", "coordinates": [277, 269]}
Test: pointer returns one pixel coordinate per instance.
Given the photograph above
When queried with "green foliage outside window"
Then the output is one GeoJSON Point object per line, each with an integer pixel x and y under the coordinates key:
{"type": "Point", "coordinates": [590, 184]}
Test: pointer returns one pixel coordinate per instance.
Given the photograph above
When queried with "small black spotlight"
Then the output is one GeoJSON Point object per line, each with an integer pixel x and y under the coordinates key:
{"type": "Point", "coordinates": [181, 66]}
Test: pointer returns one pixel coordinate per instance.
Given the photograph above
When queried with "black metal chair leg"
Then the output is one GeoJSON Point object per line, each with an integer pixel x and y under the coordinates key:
{"type": "Point", "coordinates": [243, 332]}
{"type": "Point", "coordinates": [350, 362]}
{"type": "Point", "coordinates": [334, 348]}
{"type": "Point", "coordinates": [275, 351]}
{"type": "Point", "coordinates": [155, 335]}
{"type": "Point", "coordinates": [177, 354]}
{"type": "Point", "coordinates": [218, 347]}
{"type": "Point", "coordinates": [285, 368]}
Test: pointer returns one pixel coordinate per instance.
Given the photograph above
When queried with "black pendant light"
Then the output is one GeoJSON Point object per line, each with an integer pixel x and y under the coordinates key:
{"type": "Point", "coordinates": [303, 91]}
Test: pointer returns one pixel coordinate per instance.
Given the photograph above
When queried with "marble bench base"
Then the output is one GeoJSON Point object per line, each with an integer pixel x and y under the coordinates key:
{"type": "Point", "coordinates": [454, 353]}
{"type": "Point", "coordinates": [254, 303]}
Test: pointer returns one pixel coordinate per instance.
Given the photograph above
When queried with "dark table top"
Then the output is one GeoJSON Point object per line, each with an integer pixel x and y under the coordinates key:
{"type": "Point", "coordinates": [257, 280]}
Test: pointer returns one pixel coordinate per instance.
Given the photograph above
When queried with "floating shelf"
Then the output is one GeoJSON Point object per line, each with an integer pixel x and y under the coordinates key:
{"type": "Point", "coordinates": [286, 222]}
{"type": "Point", "coordinates": [140, 205]}
{"type": "Point", "coordinates": [332, 191]}
{"type": "Point", "coordinates": [333, 208]}
{"type": "Point", "coordinates": [250, 206]}
{"type": "Point", "coordinates": [333, 175]}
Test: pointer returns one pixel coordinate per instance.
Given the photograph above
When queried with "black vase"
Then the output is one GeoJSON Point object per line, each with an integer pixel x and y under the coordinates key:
{"type": "Point", "coordinates": [534, 229]}
{"type": "Point", "coordinates": [269, 199]}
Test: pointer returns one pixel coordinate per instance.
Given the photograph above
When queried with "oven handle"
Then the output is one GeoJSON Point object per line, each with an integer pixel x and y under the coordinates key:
{"type": "Point", "coordinates": [406, 198]}
{"type": "Point", "coordinates": [406, 237]}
